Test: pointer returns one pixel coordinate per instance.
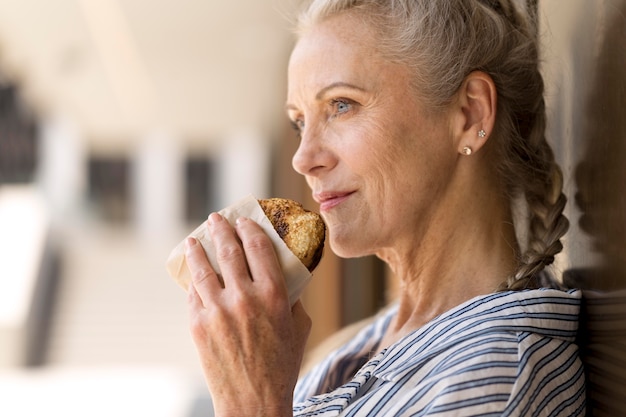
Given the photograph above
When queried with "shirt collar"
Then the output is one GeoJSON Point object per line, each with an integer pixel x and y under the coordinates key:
{"type": "Point", "coordinates": [547, 312]}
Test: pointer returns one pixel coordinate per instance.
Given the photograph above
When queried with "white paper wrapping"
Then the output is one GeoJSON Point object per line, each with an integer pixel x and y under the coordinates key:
{"type": "Point", "coordinates": [297, 276]}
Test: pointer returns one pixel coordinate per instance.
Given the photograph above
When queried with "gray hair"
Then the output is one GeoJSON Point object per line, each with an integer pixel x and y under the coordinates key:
{"type": "Point", "coordinates": [444, 41]}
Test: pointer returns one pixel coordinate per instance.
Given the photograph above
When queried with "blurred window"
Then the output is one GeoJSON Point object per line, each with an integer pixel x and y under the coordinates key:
{"type": "Point", "coordinates": [18, 139]}
{"type": "Point", "coordinates": [200, 190]}
{"type": "Point", "coordinates": [109, 188]}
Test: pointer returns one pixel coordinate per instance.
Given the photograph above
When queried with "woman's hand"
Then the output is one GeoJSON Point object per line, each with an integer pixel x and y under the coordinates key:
{"type": "Point", "coordinates": [250, 341]}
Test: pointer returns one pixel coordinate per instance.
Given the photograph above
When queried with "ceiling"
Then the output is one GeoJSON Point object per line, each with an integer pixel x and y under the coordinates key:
{"type": "Point", "coordinates": [120, 69]}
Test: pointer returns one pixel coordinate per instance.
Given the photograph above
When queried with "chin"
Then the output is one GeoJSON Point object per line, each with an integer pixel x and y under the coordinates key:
{"type": "Point", "coordinates": [345, 247]}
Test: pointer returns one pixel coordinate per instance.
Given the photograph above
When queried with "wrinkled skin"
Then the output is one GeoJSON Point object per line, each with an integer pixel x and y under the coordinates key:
{"type": "Point", "coordinates": [249, 339]}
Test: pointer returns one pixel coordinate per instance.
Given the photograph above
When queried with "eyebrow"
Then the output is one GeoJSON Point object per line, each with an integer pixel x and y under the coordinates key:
{"type": "Point", "coordinates": [338, 84]}
{"type": "Point", "coordinates": [323, 91]}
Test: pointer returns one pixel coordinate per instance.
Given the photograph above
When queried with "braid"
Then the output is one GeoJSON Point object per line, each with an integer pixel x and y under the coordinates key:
{"type": "Point", "coordinates": [547, 224]}
{"type": "Point", "coordinates": [533, 172]}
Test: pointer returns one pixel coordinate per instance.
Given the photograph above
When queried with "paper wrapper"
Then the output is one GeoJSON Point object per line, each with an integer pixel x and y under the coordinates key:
{"type": "Point", "coordinates": [297, 276]}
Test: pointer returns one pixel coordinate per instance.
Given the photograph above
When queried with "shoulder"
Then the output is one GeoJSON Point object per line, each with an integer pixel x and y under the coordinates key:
{"type": "Point", "coordinates": [507, 353]}
{"type": "Point", "coordinates": [486, 327]}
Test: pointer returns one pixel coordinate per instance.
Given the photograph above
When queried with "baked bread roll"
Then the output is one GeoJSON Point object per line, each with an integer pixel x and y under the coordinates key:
{"type": "Point", "coordinates": [297, 235]}
{"type": "Point", "coordinates": [302, 230]}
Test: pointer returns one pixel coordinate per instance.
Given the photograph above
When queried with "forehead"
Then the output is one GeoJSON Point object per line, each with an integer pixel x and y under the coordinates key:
{"type": "Point", "coordinates": [340, 48]}
{"type": "Point", "coordinates": [346, 29]}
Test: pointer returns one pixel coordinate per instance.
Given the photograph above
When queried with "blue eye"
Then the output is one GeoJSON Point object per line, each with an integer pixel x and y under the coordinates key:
{"type": "Point", "coordinates": [341, 106]}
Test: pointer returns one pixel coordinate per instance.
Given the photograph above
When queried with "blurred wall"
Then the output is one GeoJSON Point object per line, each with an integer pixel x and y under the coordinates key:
{"type": "Point", "coordinates": [585, 71]}
{"type": "Point", "coordinates": [132, 120]}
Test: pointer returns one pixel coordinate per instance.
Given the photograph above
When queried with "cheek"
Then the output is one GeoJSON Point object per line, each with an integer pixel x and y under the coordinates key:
{"type": "Point", "coordinates": [392, 155]}
{"type": "Point", "coordinates": [406, 168]}
{"type": "Point", "coordinates": [387, 165]}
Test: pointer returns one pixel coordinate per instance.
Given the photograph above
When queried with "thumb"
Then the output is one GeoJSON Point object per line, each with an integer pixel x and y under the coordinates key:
{"type": "Point", "coordinates": [302, 321]}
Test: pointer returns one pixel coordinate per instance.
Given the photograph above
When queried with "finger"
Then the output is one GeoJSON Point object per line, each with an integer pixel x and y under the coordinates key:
{"type": "Point", "coordinates": [260, 254]}
{"type": "Point", "coordinates": [203, 278]}
{"type": "Point", "coordinates": [193, 298]}
{"type": "Point", "coordinates": [229, 252]}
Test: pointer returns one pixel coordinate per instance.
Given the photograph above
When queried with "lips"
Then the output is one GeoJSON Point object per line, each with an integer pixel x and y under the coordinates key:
{"type": "Point", "coordinates": [330, 199]}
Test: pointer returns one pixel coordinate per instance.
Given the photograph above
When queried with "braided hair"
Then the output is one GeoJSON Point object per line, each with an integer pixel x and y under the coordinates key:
{"type": "Point", "coordinates": [443, 42]}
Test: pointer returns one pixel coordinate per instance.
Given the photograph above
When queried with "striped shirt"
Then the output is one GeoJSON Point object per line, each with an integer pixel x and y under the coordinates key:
{"type": "Point", "coordinates": [503, 354]}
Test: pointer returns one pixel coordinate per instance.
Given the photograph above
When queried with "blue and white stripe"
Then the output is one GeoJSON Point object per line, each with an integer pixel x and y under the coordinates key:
{"type": "Point", "coordinates": [504, 354]}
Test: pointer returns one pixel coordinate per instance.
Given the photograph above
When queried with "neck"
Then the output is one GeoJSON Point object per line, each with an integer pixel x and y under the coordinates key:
{"type": "Point", "coordinates": [467, 249]}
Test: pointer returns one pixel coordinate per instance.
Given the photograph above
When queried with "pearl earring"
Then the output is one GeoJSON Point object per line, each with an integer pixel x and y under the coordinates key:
{"type": "Point", "coordinates": [467, 151]}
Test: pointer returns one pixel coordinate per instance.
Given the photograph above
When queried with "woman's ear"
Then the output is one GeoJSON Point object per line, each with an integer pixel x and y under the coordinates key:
{"type": "Point", "coordinates": [474, 112]}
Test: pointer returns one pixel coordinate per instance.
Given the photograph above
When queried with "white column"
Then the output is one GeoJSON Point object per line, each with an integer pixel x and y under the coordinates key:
{"type": "Point", "coordinates": [157, 186]}
{"type": "Point", "coordinates": [243, 167]}
{"type": "Point", "coordinates": [62, 167]}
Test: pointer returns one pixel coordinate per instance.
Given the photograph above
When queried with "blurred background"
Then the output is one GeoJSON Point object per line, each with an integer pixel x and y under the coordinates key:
{"type": "Point", "coordinates": [123, 123]}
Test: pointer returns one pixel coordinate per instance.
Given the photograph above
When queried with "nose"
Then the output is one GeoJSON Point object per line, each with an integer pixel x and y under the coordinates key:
{"type": "Point", "coordinates": [312, 156]}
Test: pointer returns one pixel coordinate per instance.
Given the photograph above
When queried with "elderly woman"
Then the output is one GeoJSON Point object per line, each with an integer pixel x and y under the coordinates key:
{"type": "Point", "coordinates": [421, 127]}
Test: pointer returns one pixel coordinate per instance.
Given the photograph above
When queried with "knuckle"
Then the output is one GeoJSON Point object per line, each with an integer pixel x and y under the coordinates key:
{"type": "Point", "coordinates": [258, 243]}
{"type": "Point", "coordinates": [201, 275]}
{"type": "Point", "coordinates": [229, 252]}
{"type": "Point", "coordinates": [198, 328]}
{"type": "Point", "coordinates": [246, 308]}
{"type": "Point", "coordinates": [204, 324]}
{"type": "Point", "coordinates": [242, 305]}
{"type": "Point", "coordinates": [275, 291]}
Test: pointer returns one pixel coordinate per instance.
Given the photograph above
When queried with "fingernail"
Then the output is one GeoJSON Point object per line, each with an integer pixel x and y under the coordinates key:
{"type": "Point", "coordinates": [214, 218]}
{"type": "Point", "coordinates": [240, 220]}
{"type": "Point", "coordinates": [190, 241]}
